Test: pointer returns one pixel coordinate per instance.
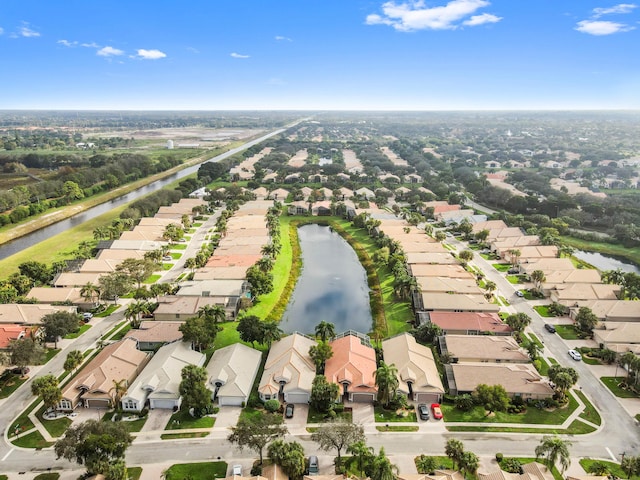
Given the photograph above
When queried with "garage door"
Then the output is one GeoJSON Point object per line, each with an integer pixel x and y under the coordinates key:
{"type": "Point", "coordinates": [427, 398]}
{"type": "Point", "coordinates": [362, 397]}
{"type": "Point", "coordinates": [161, 403]}
{"type": "Point", "coordinates": [230, 401]}
{"type": "Point", "coordinates": [296, 398]}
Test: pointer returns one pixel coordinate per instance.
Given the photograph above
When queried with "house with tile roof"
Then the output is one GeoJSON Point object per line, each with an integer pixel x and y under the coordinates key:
{"type": "Point", "coordinates": [93, 386]}
{"type": "Point", "coordinates": [153, 334]}
{"type": "Point", "coordinates": [482, 348]}
{"type": "Point", "coordinates": [289, 370]}
{"type": "Point", "coordinates": [9, 332]}
{"type": "Point", "coordinates": [29, 313]}
{"type": "Point", "coordinates": [352, 367]}
{"type": "Point", "coordinates": [232, 371]}
{"type": "Point", "coordinates": [158, 385]}
{"type": "Point", "coordinates": [418, 376]}
{"type": "Point", "coordinates": [469, 323]}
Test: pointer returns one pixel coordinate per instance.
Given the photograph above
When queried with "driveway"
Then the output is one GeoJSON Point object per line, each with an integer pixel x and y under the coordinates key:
{"type": "Point", "coordinates": [227, 417]}
{"type": "Point", "coordinates": [297, 425]}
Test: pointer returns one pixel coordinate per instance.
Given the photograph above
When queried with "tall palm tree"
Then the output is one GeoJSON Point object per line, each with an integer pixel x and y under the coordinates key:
{"type": "Point", "coordinates": [469, 463]}
{"type": "Point", "coordinates": [325, 330]}
{"type": "Point", "coordinates": [386, 377]}
{"type": "Point", "coordinates": [538, 278]}
{"type": "Point", "coordinates": [212, 313]}
{"type": "Point", "coordinates": [119, 389]}
{"type": "Point", "coordinates": [490, 287]}
{"type": "Point", "coordinates": [362, 453]}
{"type": "Point", "coordinates": [89, 291]}
{"type": "Point", "coordinates": [271, 333]}
{"type": "Point", "coordinates": [383, 469]}
{"type": "Point", "coordinates": [554, 449]}
{"type": "Point", "coordinates": [454, 449]}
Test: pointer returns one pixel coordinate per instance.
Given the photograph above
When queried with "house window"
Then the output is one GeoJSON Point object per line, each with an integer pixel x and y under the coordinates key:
{"type": "Point", "coordinates": [267, 397]}
{"type": "Point", "coordinates": [177, 315]}
{"type": "Point", "coordinates": [65, 405]}
{"type": "Point", "coordinates": [130, 405]}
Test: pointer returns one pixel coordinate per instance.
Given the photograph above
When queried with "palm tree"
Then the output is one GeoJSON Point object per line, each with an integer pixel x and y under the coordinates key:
{"type": "Point", "coordinates": [191, 264]}
{"type": "Point", "coordinates": [88, 291]}
{"type": "Point", "coordinates": [271, 333]}
{"type": "Point", "coordinates": [74, 360]}
{"type": "Point", "coordinates": [387, 382]}
{"type": "Point", "coordinates": [119, 389]}
{"type": "Point", "coordinates": [454, 449]}
{"type": "Point", "coordinates": [362, 453]}
{"type": "Point", "coordinates": [538, 278]}
{"type": "Point", "coordinates": [466, 256]}
{"type": "Point", "coordinates": [515, 256]}
{"type": "Point", "coordinates": [212, 313]}
{"type": "Point", "coordinates": [383, 469]}
{"type": "Point", "coordinates": [134, 311]}
{"type": "Point", "coordinates": [325, 330]}
{"type": "Point", "coordinates": [554, 449]}
{"type": "Point", "coordinates": [469, 463]}
{"type": "Point", "coordinates": [490, 287]}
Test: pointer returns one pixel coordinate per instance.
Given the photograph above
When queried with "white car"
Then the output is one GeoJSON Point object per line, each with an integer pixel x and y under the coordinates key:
{"type": "Point", "coordinates": [575, 355]}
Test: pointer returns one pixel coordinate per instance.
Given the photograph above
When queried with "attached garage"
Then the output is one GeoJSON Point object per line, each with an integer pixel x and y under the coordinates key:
{"type": "Point", "coordinates": [164, 403]}
{"type": "Point", "coordinates": [426, 398]}
{"type": "Point", "coordinates": [296, 397]}
{"type": "Point", "coordinates": [363, 397]}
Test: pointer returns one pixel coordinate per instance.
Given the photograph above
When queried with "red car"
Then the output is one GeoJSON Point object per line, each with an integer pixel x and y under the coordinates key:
{"type": "Point", "coordinates": [437, 412]}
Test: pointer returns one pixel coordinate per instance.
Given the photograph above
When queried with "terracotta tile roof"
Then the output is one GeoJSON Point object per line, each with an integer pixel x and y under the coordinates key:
{"type": "Point", "coordinates": [476, 321]}
{"type": "Point", "coordinates": [352, 362]}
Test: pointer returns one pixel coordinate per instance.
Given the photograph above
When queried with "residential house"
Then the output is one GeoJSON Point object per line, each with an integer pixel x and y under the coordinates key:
{"type": "Point", "coordinates": [9, 332]}
{"type": "Point", "coordinates": [621, 337]}
{"type": "Point", "coordinates": [530, 471]}
{"type": "Point", "coordinates": [482, 348]}
{"type": "Point", "coordinates": [93, 386]}
{"type": "Point", "coordinates": [158, 385]}
{"type": "Point", "coordinates": [352, 366]}
{"type": "Point", "coordinates": [365, 193]}
{"type": "Point", "coordinates": [447, 302]}
{"type": "Point", "coordinates": [610, 310]}
{"type": "Point", "coordinates": [29, 313]}
{"type": "Point", "coordinates": [443, 271]}
{"type": "Point", "coordinates": [462, 286]}
{"type": "Point", "coordinates": [232, 371]}
{"type": "Point", "coordinates": [571, 293]}
{"type": "Point", "coordinates": [418, 376]}
{"type": "Point", "coordinates": [469, 323]}
{"type": "Point", "coordinates": [289, 370]}
{"type": "Point", "coordinates": [182, 308]}
{"type": "Point", "coordinates": [519, 380]}
{"type": "Point", "coordinates": [153, 334]}
{"type": "Point", "coordinates": [438, 474]}
{"type": "Point", "coordinates": [63, 295]}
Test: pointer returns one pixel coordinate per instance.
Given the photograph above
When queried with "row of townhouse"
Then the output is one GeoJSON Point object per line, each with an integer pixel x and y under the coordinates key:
{"type": "Point", "coordinates": [289, 370]}
{"type": "Point", "coordinates": [477, 341]}
{"type": "Point", "coordinates": [574, 288]}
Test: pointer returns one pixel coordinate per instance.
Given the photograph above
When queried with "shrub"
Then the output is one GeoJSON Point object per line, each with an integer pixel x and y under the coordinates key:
{"type": "Point", "coordinates": [464, 402]}
{"type": "Point", "coordinates": [272, 405]}
{"type": "Point", "coordinates": [511, 465]}
{"type": "Point", "coordinates": [256, 470]}
{"type": "Point", "coordinates": [499, 457]}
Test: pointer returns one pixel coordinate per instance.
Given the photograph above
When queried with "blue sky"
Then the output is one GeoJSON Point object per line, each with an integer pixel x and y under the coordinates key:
{"type": "Point", "coordinates": [319, 54]}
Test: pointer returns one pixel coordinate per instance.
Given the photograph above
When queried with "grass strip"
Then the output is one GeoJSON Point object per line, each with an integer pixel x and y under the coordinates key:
{"type": "Point", "coordinates": [397, 428]}
{"type": "Point", "coordinates": [615, 384]}
{"type": "Point", "coordinates": [196, 471]}
{"type": "Point", "coordinates": [173, 436]}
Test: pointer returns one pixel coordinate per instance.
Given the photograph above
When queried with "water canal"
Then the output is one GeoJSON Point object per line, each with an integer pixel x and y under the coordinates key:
{"type": "Point", "coordinates": [332, 286]}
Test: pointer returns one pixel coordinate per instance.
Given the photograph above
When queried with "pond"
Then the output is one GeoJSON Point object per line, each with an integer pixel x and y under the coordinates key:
{"type": "Point", "coordinates": [605, 262]}
{"type": "Point", "coordinates": [332, 286]}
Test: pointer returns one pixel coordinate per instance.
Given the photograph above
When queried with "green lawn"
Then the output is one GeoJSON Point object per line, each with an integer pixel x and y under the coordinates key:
{"type": "Point", "coordinates": [80, 331]}
{"type": "Point", "coordinates": [153, 278]}
{"type": "Point", "coordinates": [181, 420]}
{"type": "Point", "coordinates": [397, 428]}
{"type": "Point", "coordinates": [532, 415]}
{"type": "Point", "coordinates": [567, 332]}
{"type": "Point", "coordinates": [31, 440]}
{"type": "Point", "coordinates": [119, 335]}
{"type": "Point", "coordinates": [134, 473]}
{"type": "Point", "coordinates": [544, 366]}
{"type": "Point", "coordinates": [178, 246]}
{"type": "Point", "coordinates": [614, 468]}
{"type": "Point", "coordinates": [590, 413]}
{"type": "Point", "coordinates": [614, 384]}
{"type": "Point", "coordinates": [502, 267]}
{"type": "Point", "coordinates": [384, 416]}
{"type": "Point", "coordinates": [10, 384]}
{"type": "Point", "coordinates": [514, 279]}
{"type": "Point", "coordinates": [57, 427]}
{"type": "Point", "coordinates": [317, 417]}
{"type": "Point", "coordinates": [196, 471]}
{"type": "Point", "coordinates": [174, 436]}
{"type": "Point", "coordinates": [108, 311]}
{"type": "Point", "coordinates": [47, 476]}
{"type": "Point", "coordinates": [543, 310]}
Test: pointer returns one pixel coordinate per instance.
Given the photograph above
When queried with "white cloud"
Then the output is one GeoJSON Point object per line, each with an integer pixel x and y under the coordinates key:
{"type": "Point", "coordinates": [238, 55]}
{"type": "Point", "coordinates": [193, 50]}
{"type": "Point", "coordinates": [90, 45]}
{"type": "Point", "coordinates": [109, 52]}
{"type": "Point", "coordinates": [280, 38]}
{"type": "Point", "coordinates": [414, 15]}
{"type": "Point", "coordinates": [620, 8]}
{"type": "Point", "coordinates": [601, 27]}
{"type": "Point", "coordinates": [25, 31]}
{"type": "Point", "coordinates": [1, 30]}
{"type": "Point", "coordinates": [482, 19]}
{"type": "Point", "coordinates": [67, 43]}
{"type": "Point", "coordinates": [150, 54]}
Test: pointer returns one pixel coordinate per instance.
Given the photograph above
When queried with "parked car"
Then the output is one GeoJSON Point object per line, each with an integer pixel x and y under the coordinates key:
{"type": "Point", "coordinates": [519, 294]}
{"type": "Point", "coordinates": [437, 411]}
{"type": "Point", "coordinates": [237, 470]}
{"type": "Point", "coordinates": [314, 467]}
{"type": "Point", "coordinates": [20, 370]}
{"type": "Point", "coordinates": [575, 355]}
{"type": "Point", "coordinates": [550, 328]}
{"type": "Point", "coordinates": [167, 258]}
{"type": "Point", "coordinates": [288, 411]}
{"type": "Point", "coordinates": [86, 316]}
{"type": "Point", "coordinates": [423, 411]}
{"type": "Point", "coordinates": [513, 271]}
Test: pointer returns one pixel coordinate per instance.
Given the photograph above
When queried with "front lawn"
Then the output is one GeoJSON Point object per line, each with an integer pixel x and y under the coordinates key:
{"type": "Point", "coordinates": [590, 413]}
{"type": "Point", "coordinates": [397, 428]}
{"type": "Point", "coordinates": [567, 332]}
{"type": "Point", "coordinates": [384, 416]}
{"type": "Point", "coordinates": [57, 427]}
{"type": "Point", "coordinates": [532, 414]}
{"type": "Point", "coordinates": [134, 473]}
{"type": "Point", "coordinates": [31, 440]}
{"type": "Point", "coordinates": [502, 267]}
{"type": "Point", "coordinates": [318, 417]}
{"type": "Point", "coordinates": [152, 279]}
{"type": "Point", "coordinates": [10, 384]}
{"type": "Point", "coordinates": [196, 471]}
{"type": "Point", "coordinates": [615, 384]}
{"type": "Point", "coordinates": [182, 419]}
{"type": "Point", "coordinates": [614, 468]}
{"type": "Point", "coordinates": [80, 331]}
{"type": "Point", "coordinates": [543, 311]}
